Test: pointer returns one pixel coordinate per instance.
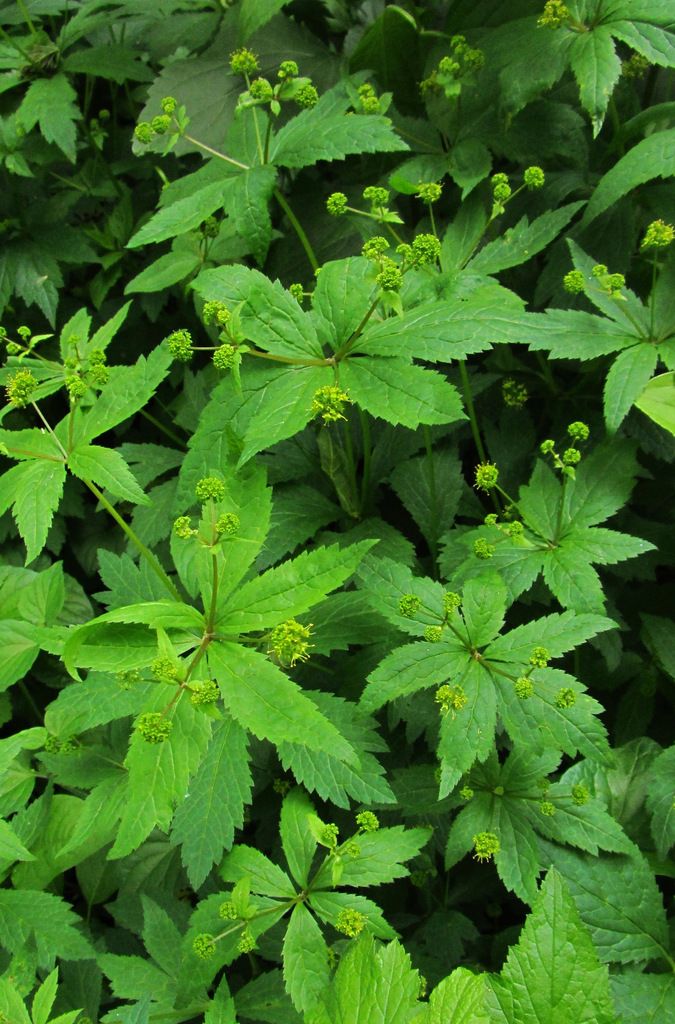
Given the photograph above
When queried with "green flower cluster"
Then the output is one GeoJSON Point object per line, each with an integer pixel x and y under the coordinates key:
{"type": "Point", "coordinates": [367, 821]}
{"type": "Point", "coordinates": [658, 235]}
{"type": "Point", "coordinates": [20, 388]}
{"type": "Point", "coordinates": [180, 345]}
{"type": "Point", "coordinates": [409, 605]}
{"type": "Point", "coordinates": [350, 922]}
{"type": "Point", "coordinates": [485, 846]}
{"type": "Point", "coordinates": [450, 698]}
{"type": "Point", "coordinates": [207, 692]}
{"type": "Point", "coordinates": [289, 642]}
{"type": "Point", "coordinates": [329, 402]}
{"type": "Point", "coordinates": [554, 15]}
{"type": "Point", "coordinates": [154, 727]}
{"type": "Point", "coordinates": [487, 476]}
{"type": "Point", "coordinates": [514, 393]}
{"type": "Point", "coordinates": [210, 488]}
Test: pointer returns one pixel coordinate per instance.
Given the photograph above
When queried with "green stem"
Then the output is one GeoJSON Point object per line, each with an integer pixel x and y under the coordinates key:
{"type": "Point", "coordinates": [160, 426]}
{"type": "Point", "coordinates": [652, 301]}
{"type": "Point", "coordinates": [561, 506]}
{"type": "Point", "coordinates": [215, 152]}
{"type": "Point", "coordinates": [433, 543]}
{"type": "Point", "coordinates": [298, 228]}
{"type": "Point", "coordinates": [30, 701]}
{"type": "Point", "coordinates": [470, 408]}
{"type": "Point", "coordinates": [151, 559]}
{"type": "Point", "coordinates": [289, 360]}
{"type": "Point", "coordinates": [367, 458]}
{"type": "Point", "coordinates": [211, 620]}
{"type": "Point", "coordinates": [351, 340]}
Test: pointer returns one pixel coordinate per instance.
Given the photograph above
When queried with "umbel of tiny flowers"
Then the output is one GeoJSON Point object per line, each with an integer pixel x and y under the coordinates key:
{"type": "Point", "coordinates": [336, 204]}
{"type": "Point", "coordinates": [524, 687]}
{"type": "Point", "coordinates": [658, 235]}
{"type": "Point", "coordinates": [154, 727]}
{"type": "Point", "coordinates": [180, 345]}
{"type": "Point", "coordinates": [367, 821]}
{"type": "Point", "coordinates": [350, 922]}
{"type": "Point", "coordinates": [483, 549]}
{"type": "Point", "coordinates": [210, 487]}
{"type": "Point", "coordinates": [204, 946]}
{"type": "Point", "coordinates": [547, 808]}
{"type": "Point", "coordinates": [540, 657]}
{"type": "Point", "coordinates": [165, 670]}
{"type": "Point", "coordinates": [565, 698]}
{"type": "Point", "coordinates": [289, 642]}
{"type": "Point", "coordinates": [635, 67]}
{"type": "Point", "coordinates": [534, 177]}
{"type": "Point", "coordinates": [329, 403]}
{"type": "Point", "coordinates": [611, 283]}
{"type": "Point", "coordinates": [574, 282]}
{"type": "Point", "coordinates": [182, 528]}
{"type": "Point", "coordinates": [215, 312]}
{"type": "Point", "coordinates": [433, 634]}
{"type": "Point", "coordinates": [485, 846]}
{"type": "Point", "coordinates": [228, 524]}
{"type": "Point", "coordinates": [450, 698]}
{"type": "Point", "coordinates": [20, 388]}
{"type": "Point", "coordinates": [244, 62]}
{"type": "Point", "coordinates": [206, 692]}
{"type": "Point", "coordinates": [514, 393]}
{"type": "Point", "coordinates": [226, 356]}
{"type": "Point", "coordinates": [554, 15]}
{"type": "Point", "coordinates": [368, 99]}
{"type": "Point", "coordinates": [580, 794]}
{"type": "Point", "coordinates": [451, 602]}
{"type": "Point", "coordinates": [429, 191]}
{"type": "Point", "coordinates": [408, 605]}
{"type": "Point", "coordinates": [487, 476]}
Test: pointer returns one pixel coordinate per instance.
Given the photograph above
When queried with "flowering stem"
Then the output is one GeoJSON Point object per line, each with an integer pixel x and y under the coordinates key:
{"type": "Point", "coordinates": [215, 152]}
{"type": "Point", "coordinates": [652, 301]}
{"type": "Point", "coordinates": [135, 540]}
{"type": "Point", "coordinates": [298, 228]}
{"type": "Point", "coordinates": [470, 408]}
{"type": "Point", "coordinates": [289, 360]}
{"type": "Point", "coordinates": [358, 331]}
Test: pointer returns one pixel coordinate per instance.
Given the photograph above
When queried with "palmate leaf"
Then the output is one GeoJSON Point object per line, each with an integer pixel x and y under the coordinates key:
{"type": "Point", "coordinates": [45, 919]}
{"type": "Point", "coordinates": [52, 104]}
{"type": "Point", "coordinates": [326, 133]}
{"type": "Point", "coordinates": [380, 858]}
{"type": "Point", "coordinates": [553, 973]}
{"type": "Point", "coordinates": [344, 291]}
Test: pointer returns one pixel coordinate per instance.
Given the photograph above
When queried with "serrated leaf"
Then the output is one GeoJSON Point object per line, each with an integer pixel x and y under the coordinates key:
{"type": "Point", "coordinates": [43, 1000]}
{"type": "Point", "coordinates": [248, 208]}
{"type": "Point", "coordinates": [297, 841]}
{"type": "Point", "coordinates": [596, 67]}
{"type": "Point", "coordinates": [626, 381]}
{"type": "Point", "coordinates": [380, 858]}
{"type": "Point", "coordinates": [11, 847]}
{"type": "Point", "coordinates": [107, 468]}
{"type": "Point", "coordinates": [48, 919]}
{"type": "Point", "coordinates": [373, 986]}
{"type": "Point", "coordinates": [305, 955]}
{"type": "Point", "coordinates": [661, 802]}
{"type": "Point", "coordinates": [400, 392]}
{"type": "Point", "coordinates": [553, 974]}
{"type": "Point", "coordinates": [430, 487]}
{"type": "Point", "coordinates": [467, 734]}
{"type": "Point", "coordinates": [183, 215]}
{"type": "Point", "coordinates": [268, 703]}
{"type": "Point", "coordinates": [266, 877]}
{"type": "Point", "coordinates": [644, 998]}
{"type": "Point", "coordinates": [52, 103]}
{"type": "Point", "coordinates": [39, 489]}
{"type": "Point", "coordinates": [411, 668]}
{"type": "Point", "coordinates": [652, 157]}
{"type": "Point", "coordinates": [458, 999]}
{"type": "Point", "coordinates": [324, 133]}
{"type": "Point", "coordinates": [205, 822]}
{"type": "Point", "coordinates": [657, 400]}
{"type": "Point", "coordinates": [523, 241]}
{"type": "Point", "coordinates": [291, 588]}
{"type": "Point", "coordinates": [111, 60]}
{"type": "Point", "coordinates": [163, 272]}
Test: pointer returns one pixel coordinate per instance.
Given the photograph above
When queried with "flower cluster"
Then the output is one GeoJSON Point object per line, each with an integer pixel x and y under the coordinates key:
{"type": "Point", "coordinates": [244, 62]}
{"type": "Point", "coordinates": [228, 524]}
{"type": "Point", "coordinates": [204, 693]}
{"type": "Point", "coordinates": [20, 388]}
{"type": "Point", "coordinates": [145, 131]}
{"type": "Point", "coordinates": [210, 488]}
{"type": "Point", "coordinates": [204, 946]}
{"type": "Point", "coordinates": [658, 235]}
{"type": "Point", "coordinates": [485, 845]}
{"type": "Point", "coordinates": [554, 15]}
{"type": "Point", "coordinates": [487, 476]}
{"type": "Point", "coordinates": [409, 605]}
{"type": "Point", "coordinates": [367, 821]}
{"type": "Point", "coordinates": [350, 922]}
{"type": "Point", "coordinates": [450, 698]}
{"type": "Point", "coordinates": [429, 191]}
{"type": "Point", "coordinates": [514, 393]}
{"type": "Point", "coordinates": [329, 403]}
{"type": "Point", "coordinates": [180, 345]}
{"type": "Point", "coordinates": [368, 99]}
{"type": "Point", "coordinates": [154, 727]}
{"type": "Point", "coordinates": [289, 642]}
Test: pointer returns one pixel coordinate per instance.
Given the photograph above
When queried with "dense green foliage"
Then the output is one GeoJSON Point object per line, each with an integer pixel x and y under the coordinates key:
{"type": "Point", "coordinates": [337, 487]}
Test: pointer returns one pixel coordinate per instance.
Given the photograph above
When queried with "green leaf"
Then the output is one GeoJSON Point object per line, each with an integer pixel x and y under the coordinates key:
{"type": "Point", "coordinates": [43, 1000]}
{"type": "Point", "coordinates": [12, 1005]}
{"type": "Point", "coordinates": [322, 772]}
{"type": "Point", "coordinates": [291, 588]}
{"type": "Point", "coordinates": [430, 487]}
{"type": "Point", "coordinates": [644, 998]}
{"type": "Point", "coordinates": [297, 841]}
{"type": "Point", "coordinates": [389, 48]}
{"type": "Point", "coordinates": [411, 668]}
{"type": "Point", "coordinates": [618, 900]}
{"type": "Point", "coordinates": [20, 648]}
{"type": "Point", "coordinates": [205, 822]}
{"type": "Point", "coordinates": [163, 272]}
{"type": "Point", "coordinates": [603, 483]}
{"type": "Point", "coordinates": [381, 857]}
{"type": "Point", "coordinates": [247, 207]}
{"type": "Point", "coordinates": [270, 316]}
{"type": "Point", "coordinates": [46, 919]}
{"type": "Point", "coordinates": [653, 157]}
{"type": "Point", "coordinates": [52, 103]}
{"type": "Point", "coordinates": [458, 999]}
{"type": "Point", "coordinates": [596, 67]}
{"type": "Point", "coordinates": [158, 775]}
{"type": "Point", "coordinates": [305, 955]}
{"type": "Point", "coordinates": [467, 734]}
{"type": "Point", "coordinates": [108, 469]}
{"type": "Point", "coordinates": [399, 392]}
{"type": "Point", "coordinates": [253, 14]}
{"type": "Point", "coordinates": [572, 580]}
{"type": "Point", "coordinates": [484, 608]}
{"type": "Point", "coordinates": [111, 60]}
{"type": "Point", "coordinates": [265, 877]}
{"type": "Point", "coordinates": [11, 847]}
{"type": "Point", "coordinates": [523, 241]}
{"type": "Point", "coordinates": [161, 937]}
{"type": "Point", "coordinates": [661, 803]}
{"type": "Point", "coordinates": [344, 291]}
{"type": "Point", "coordinates": [183, 215]}
{"type": "Point", "coordinates": [129, 389]}
{"type": "Point", "coordinates": [559, 633]}
{"type": "Point", "coordinates": [264, 700]}
{"type": "Point", "coordinates": [575, 334]}
{"type": "Point", "coordinates": [657, 400]}
{"type": "Point", "coordinates": [372, 985]}
{"type": "Point", "coordinates": [553, 973]}
{"type": "Point", "coordinates": [327, 133]}
{"type": "Point", "coordinates": [298, 513]}
{"type": "Point", "coordinates": [39, 489]}
{"type": "Point", "coordinates": [626, 382]}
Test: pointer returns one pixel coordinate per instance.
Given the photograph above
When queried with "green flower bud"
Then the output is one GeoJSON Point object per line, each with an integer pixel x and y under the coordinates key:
{"type": "Point", "coordinates": [76, 387]}
{"type": "Point", "coordinates": [540, 657]}
{"type": "Point", "coordinates": [225, 357]}
{"type": "Point", "coordinates": [376, 195]}
{"type": "Point", "coordinates": [144, 133]}
{"type": "Point", "coordinates": [246, 943]}
{"type": "Point", "coordinates": [487, 475]}
{"type": "Point", "coordinates": [547, 808]}
{"type": "Point", "coordinates": [20, 388]}
{"type": "Point", "coordinates": [336, 203]}
{"type": "Point", "coordinates": [635, 67]}
{"type": "Point", "coordinates": [306, 96]}
{"type": "Point", "coordinates": [228, 524]}
{"type": "Point", "coordinates": [554, 15]}
{"type": "Point", "coordinates": [287, 69]}
{"type": "Point", "coordinates": [350, 922]}
{"type": "Point", "coordinates": [574, 282]}
{"type": "Point", "coordinates": [375, 248]}
{"type": "Point", "coordinates": [215, 312]}
{"type": "Point", "coordinates": [329, 836]}
{"type": "Point", "coordinates": [426, 249]}
{"type": "Point", "coordinates": [367, 821]}
{"type": "Point", "coordinates": [429, 191]}
{"type": "Point", "coordinates": [154, 727]}
{"type": "Point", "coordinates": [25, 333]}
{"type": "Point", "coordinates": [409, 605]}
{"type": "Point", "coordinates": [599, 270]}
{"type": "Point", "coordinates": [244, 62]}
{"type": "Point", "coordinates": [368, 100]}
{"type": "Point", "coordinates": [204, 946]}
{"type": "Point", "coordinates": [547, 447]}
{"type": "Point", "coordinates": [534, 177]}
{"type": "Point", "coordinates": [565, 698]}
{"type": "Point", "coordinates": [389, 278]}
{"type": "Point", "coordinates": [182, 527]}
{"type": "Point", "coordinates": [485, 846]}
{"type": "Point", "coordinates": [329, 403]}
{"type": "Point", "coordinates": [161, 124]}
{"type": "Point", "coordinates": [450, 698]}
{"type": "Point", "coordinates": [180, 345]}
{"type": "Point", "coordinates": [433, 634]}
{"type": "Point", "coordinates": [466, 793]}
{"type": "Point", "coordinates": [571, 456]}
{"type": "Point", "coordinates": [13, 348]}
{"type": "Point", "coordinates": [289, 642]}
{"type": "Point", "coordinates": [515, 529]}
{"type": "Point", "coordinates": [297, 291]}
{"type": "Point", "coordinates": [261, 90]}
{"type": "Point", "coordinates": [207, 692]}
{"type": "Point", "coordinates": [580, 794]}
{"type": "Point", "coordinates": [501, 193]}
{"type": "Point", "coordinates": [168, 105]}
{"type": "Point", "coordinates": [524, 687]}
{"type": "Point", "coordinates": [210, 488]}
{"type": "Point", "coordinates": [227, 911]}
{"type": "Point", "coordinates": [483, 549]}
{"type": "Point", "coordinates": [451, 602]}
{"type": "Point", "coordinates": [658, 235]}
{"type": "Point", "coordinates": [165, 670]}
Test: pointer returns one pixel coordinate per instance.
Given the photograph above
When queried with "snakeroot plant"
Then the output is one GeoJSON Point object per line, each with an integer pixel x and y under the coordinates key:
{"type": "Point", "coordinates": [337, 439]}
